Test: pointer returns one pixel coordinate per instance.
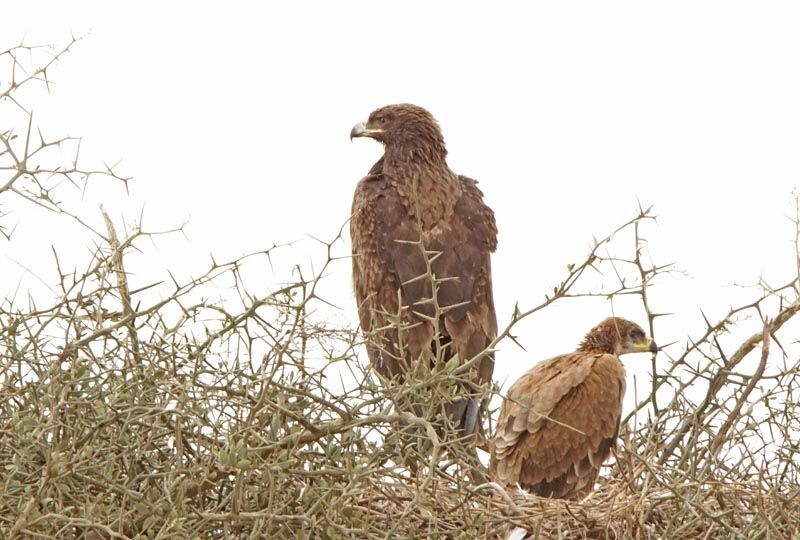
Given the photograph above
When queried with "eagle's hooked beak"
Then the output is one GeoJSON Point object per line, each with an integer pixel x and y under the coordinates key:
{"type": "Point", "coordinates": [647, 345]}
{"type": "Point", "coordinates": [360, 130]}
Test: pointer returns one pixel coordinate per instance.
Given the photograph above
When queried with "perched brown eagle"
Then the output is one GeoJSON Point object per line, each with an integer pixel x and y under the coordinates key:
{"type": "Point", "coordinates": [411, 199]}
{"type": "Point", "coordinates": [561, 419]}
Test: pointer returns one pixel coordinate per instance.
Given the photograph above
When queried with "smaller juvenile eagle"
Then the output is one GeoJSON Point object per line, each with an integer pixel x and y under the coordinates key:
{"type": "Point", "coordinates": [561, 419]}
{"type": "Point", "coordinates": [411, 200]}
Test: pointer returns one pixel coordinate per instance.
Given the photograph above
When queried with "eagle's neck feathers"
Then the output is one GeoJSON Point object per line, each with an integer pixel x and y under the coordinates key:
{"type": "Point", "coordinates": [601, 343]}
{"type": "Point", "coordinates": [427, 187]}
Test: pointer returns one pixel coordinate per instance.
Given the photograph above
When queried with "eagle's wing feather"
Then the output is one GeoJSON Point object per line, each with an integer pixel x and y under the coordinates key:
{"type": "Point", "coordinates": [380, 265]}
{"type": "Point", "coordinates": [387, 256]}
{"type": "Point", "coordinates": [559, 423]}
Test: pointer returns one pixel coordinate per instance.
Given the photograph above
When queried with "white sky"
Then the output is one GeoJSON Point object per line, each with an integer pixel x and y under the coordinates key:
{"type": "Point", "coordinates": [237, 117]}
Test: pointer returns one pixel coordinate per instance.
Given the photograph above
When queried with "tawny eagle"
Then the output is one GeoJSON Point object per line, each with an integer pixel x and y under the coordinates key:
{"type": "Point", "coordinates": [409, 199]}
{"type": "Point", "coordinates": [560, 420]}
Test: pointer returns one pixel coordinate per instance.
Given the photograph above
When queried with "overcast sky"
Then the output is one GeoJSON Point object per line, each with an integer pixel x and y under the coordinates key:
{"type": "Point", "coordinates": [236, 117]}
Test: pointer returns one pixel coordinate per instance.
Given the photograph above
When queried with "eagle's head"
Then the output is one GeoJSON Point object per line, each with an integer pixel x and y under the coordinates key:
{"type": "Point", "coordinates": [616, 336]}
{"type": "Point", "coordinates": [403, 125]}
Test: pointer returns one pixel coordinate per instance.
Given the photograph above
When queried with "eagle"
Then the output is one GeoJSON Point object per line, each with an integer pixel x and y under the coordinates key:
{"type": "Point", "coordinates": [560, 420]}
{"type": "Point", "coordinates": [413, 217]}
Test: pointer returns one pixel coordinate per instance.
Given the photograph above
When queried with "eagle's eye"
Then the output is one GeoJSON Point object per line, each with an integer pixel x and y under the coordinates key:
{"type": "Point", "coordinates": [635, 333]}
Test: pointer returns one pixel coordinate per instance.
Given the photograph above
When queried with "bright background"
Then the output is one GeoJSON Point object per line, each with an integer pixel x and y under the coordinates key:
{"type": "Point", "coordinates": [236, 117]}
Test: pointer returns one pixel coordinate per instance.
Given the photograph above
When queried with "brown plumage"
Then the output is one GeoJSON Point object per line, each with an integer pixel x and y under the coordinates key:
{"type": "Point", "coordinates": [561, 419]}
{"type": "Point", "coordinates": [411, 195]}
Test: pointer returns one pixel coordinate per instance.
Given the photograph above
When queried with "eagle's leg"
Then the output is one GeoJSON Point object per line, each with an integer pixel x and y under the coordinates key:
{"type": "Point", "coordinates": [470, 419]}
